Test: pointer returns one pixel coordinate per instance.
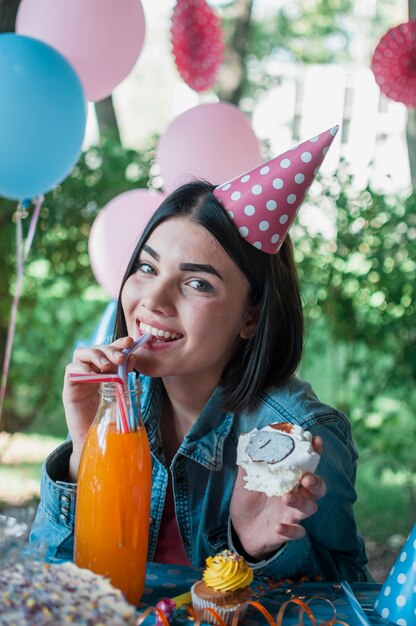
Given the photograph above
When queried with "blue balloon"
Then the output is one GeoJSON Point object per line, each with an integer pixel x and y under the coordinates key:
{"type": "Point", "coordinates": [43, 114]}
{"type": "Point", "coordinates": [103, 332]}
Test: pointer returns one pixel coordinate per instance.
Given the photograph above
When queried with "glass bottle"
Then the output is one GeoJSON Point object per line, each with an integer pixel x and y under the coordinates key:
{"type": "Point", "coordinates": [113, 495]}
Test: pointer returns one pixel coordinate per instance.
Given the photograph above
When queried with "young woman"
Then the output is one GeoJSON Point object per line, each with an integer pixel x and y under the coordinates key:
{"type": "Point", "coordinates": [227, 327]}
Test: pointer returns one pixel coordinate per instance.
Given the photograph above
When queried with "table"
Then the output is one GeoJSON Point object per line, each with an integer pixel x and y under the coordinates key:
{"type": "Point", "coordinates": [168, 581]}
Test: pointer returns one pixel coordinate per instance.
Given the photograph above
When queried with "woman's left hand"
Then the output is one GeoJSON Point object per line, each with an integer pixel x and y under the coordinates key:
{"type": "Point", "coordinates": [264, 523]}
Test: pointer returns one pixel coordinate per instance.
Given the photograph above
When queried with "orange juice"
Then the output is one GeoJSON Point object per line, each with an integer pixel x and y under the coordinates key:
{"type": "Point", "coordinates": [113, 506]}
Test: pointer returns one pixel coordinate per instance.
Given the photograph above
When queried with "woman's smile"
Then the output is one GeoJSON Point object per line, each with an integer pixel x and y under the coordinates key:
{"type": "Point", "coordinates": [191, 297]}
{"type": "Point", "coordinates": [159, 333]}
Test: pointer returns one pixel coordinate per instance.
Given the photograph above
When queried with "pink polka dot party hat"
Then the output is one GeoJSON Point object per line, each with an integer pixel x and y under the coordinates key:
{"type": "Point", "coordinates": [263, 202]}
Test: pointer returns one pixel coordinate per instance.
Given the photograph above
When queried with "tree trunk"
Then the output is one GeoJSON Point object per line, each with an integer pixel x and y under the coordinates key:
{"type": "Point", "coordinates": [232, 74]}
{"type": "Point", "coordinates": [411, 120]}
{"type": "Point", "coordinates": [411, 145]}
{"type": "Point", "coordinates": [107, 120]}
{"type": "Point", "coordinates": [106, 117]}
{"type": "Point", "coordinates": [8, 11]}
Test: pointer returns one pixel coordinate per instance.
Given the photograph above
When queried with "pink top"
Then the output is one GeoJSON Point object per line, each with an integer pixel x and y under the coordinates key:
{"type": "Point", "coordinates": [169, 548]}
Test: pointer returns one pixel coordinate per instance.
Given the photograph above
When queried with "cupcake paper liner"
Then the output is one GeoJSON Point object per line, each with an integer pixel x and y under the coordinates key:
{"type": "Point", "coordinates": [200, 605]}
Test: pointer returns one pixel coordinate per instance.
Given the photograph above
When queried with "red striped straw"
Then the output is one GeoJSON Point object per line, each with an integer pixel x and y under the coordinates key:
{"type": "Point", "coordinates": [107, 378]}
{"type": "Point", "coordinates": [122, 406]}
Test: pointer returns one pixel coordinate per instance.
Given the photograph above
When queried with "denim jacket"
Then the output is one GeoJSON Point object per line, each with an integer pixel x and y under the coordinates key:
{"type": "Point", "coordinates": [203, 473]}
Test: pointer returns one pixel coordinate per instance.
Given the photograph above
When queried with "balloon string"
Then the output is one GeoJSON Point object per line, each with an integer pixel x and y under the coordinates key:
{"type": "Point", "coordinates": [32, 226]}
{"type": "Point", "coordinates": [21, 256]}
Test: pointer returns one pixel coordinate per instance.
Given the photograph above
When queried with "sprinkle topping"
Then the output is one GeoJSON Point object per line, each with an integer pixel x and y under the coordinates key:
{"type": "Point", "coordinates": [45, 595]}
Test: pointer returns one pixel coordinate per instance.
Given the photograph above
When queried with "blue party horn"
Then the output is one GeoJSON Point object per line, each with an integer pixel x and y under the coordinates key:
{"type": "Point", "coordinates": [396, 601]}
{"type": "Point", "coordinates": [356, 606]}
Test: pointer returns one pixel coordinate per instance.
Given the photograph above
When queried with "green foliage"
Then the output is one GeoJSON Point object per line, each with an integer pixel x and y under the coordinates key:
{"type": "Point", "coordinates": [375, 490]}
{"type": "Point", "coordinates": [317, 31]}
{"type": "Point", "coordinates": [358, 289]}
{"type": "Point", "coordinates": [359, 294]}
{"type": "Point", "coordinates": [305, 31]}
{"type": "Point", "coordinates": [61, 302]}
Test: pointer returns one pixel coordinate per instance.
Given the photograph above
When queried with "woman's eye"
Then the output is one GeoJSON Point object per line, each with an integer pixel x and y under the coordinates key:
{"type": "Point", "coordinates": [200, 285]}
{"type": "Point", "coordinates": [145, 268]}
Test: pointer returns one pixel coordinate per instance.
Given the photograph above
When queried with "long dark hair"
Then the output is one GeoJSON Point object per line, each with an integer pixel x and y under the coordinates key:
{"type": "Point", "coordinates": [272, 354]}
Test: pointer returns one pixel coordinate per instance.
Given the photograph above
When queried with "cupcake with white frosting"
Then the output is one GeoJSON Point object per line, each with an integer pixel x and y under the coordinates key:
{"type": "Point", "coordinates": [276, 457]}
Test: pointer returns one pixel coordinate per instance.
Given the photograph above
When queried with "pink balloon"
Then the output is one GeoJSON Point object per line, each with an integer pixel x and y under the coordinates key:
{"type": "Point", "coordinates": [214, 141]}
{"type": "Point", "coordinates": [115, 233]}
{"type": "Point", "coordinates": [102, 39]}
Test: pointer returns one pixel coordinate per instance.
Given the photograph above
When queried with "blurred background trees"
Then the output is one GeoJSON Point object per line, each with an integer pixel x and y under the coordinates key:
{"type": "Point", "coordinates": [62, 301]}
{"type": "Point", "coordinates": [358, 283]}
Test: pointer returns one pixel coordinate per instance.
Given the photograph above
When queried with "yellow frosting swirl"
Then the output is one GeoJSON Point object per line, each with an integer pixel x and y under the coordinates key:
{"type": "Point", "coordinates": [227, 571]}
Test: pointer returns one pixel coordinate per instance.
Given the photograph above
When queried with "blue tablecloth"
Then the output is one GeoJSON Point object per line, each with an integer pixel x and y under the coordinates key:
{"type": "Point", "coordinates": [168, 581]}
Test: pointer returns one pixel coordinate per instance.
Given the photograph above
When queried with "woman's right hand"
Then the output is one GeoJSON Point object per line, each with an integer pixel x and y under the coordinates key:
{"type": "Point", "coordinates": [81, 399]}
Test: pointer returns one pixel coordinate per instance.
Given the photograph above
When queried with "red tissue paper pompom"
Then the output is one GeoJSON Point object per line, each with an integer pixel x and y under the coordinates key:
{"type": "Point", "coordinates": [394, 63]}
{"type": "Point", "coordinates": [198, 43]}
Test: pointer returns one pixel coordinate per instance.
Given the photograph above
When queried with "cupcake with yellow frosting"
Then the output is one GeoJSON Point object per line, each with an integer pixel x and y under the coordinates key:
{"type": "Point", "coordinates": [225, 585]}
